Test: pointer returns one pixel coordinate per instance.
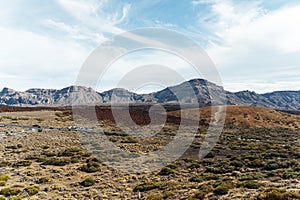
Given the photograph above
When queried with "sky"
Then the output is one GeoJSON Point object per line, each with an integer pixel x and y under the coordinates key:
{"type": "Point", "coordinates": [255, 45]}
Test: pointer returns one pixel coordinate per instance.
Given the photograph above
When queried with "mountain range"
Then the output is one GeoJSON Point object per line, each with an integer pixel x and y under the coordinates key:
{"type": "Point", "coordinates": [283, 100]}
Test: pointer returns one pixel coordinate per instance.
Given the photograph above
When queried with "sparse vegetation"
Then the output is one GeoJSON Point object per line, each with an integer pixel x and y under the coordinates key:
{"type": "Point", "coordinates": [9, 191]}
{"type": "Point", "coordinates": [57, 161]}
{"type": "Point", "coordinates": [32, 190]}
{"type": "Point", "coordinates": [88, 182]}
{"type": "Point", "coordinates": [148, 186]}
{"type": "Point", "coordinates": [246, 163]}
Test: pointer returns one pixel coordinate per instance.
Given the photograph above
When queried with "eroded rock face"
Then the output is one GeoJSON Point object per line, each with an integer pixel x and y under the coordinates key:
{"type": "Point", "coordinates": [288, 100]}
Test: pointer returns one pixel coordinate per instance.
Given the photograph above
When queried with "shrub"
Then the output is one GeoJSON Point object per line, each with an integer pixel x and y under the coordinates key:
{"type": "Point", "coordinates": [255, 163]}
{"type": "Point", "coordinates": [22, 163]}
{"type": "Point", "coordinates": [148, 186]}
{"type": "Point", "coordinates": [155, 197]}
{"type": "Point", "coordinates": [204, 177]}
{"type": "Point", "coordinates": [198, 195]}
{"type": "Point", "coordinates": [211, 154]}
{"type": "Point", "coordinates": [90, 167]}
{"type": "Point", "coordinates": [236, 163]}
{"type": "Point", "coordinates": [57, 161]}
{"type": "Point", "coordinates": [129, 139]}
{"type": "Point", "coordinates": [4, 177]}
{"type": "Point", "coordinates": [70, 152]}
{"type": "Point", "coordinates": [275, 194]}
{"type": "Point", "coordinates": [2, 197]}
{"type": "Point", "coordinates": [10, 191]}
{"type": "Point", "coordinates": [221, 190]}
{"type": "Point", "coordinates": [250, 185]}
{"type": "Point", "coordinates": [32, 190]}
{"type": "Point", "coordinates": [87, 182]}
{"type": "Point", "coordinates": [43, 180]}
{"type": "Point", "coordinates": [166, 171]}
{"type": "Point", "coordinates": [271, 166]}
{"type": "Point", "coordinates": [49, 153]}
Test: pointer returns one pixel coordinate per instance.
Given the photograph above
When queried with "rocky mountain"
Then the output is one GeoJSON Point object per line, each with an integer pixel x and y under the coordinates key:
{"type": "Point", "coordinates": [285, 100]}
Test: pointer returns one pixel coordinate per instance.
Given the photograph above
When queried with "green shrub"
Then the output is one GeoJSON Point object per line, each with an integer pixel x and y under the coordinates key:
{"type": "Point", "coordinates": [155, 197]}
{"type": "Point", "coordinates": [148, 186]}
{"type": "Point", "coordinates": [2, 197]}
{"type": "Point", "coordinates": [10, 191]}
{"type": "Point", "coordinates": [49, 153]}
{"type": "Point", "coordinates": [221, 190]}
{"type": "Point", "coordinates": [255, 163]}
{"type": "Point", "coordinates": [204, 177]}
{"type": "Point", "coordinates": [87, 182]}
{"type": "Point", "coordinates": [90, 167]}
{"type": "Point", "coordinates": [4, 177]}
{"type": "Point", "coordinates": [57, 161]}
{"type": "Point", "coordinates": [198, 195]}
{"type": "Point", "coordinates": [43, 180]}
{"type": "Point", "coordinates": [129, 139]}
{"type": "Point", "coordinates": [22, 163]}
{"type": "Point", "coordinates": [275, 194]}
{"type": "Point", "coordinates": [70, 152]}
{"type": "Point", "coordinates": [32, 190]}
{"type": "Point", "coordinates": [236, 163]}
{"type": "Point", "coordinates": [250, 185]}
{"type": "Point", "coordinates": [166, 171]}
{"type": "Point", "coordinates": [271, 166]}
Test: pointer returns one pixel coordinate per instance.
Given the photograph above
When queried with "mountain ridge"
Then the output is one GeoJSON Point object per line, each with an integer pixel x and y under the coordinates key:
{"type": "Point", "coordinates": [285, 100]}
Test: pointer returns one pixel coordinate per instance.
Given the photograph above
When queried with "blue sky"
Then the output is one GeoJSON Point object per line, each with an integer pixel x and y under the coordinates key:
{"type": "Point", "coordinates": [254, 44]}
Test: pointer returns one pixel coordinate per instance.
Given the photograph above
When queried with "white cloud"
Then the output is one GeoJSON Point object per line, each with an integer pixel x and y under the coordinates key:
{"type": "Point", "coordinates": [37, 59]}
{"type": "Point", "coordinates": [249, 41]}
{"type": "Point", "coordinates": [89, 13]}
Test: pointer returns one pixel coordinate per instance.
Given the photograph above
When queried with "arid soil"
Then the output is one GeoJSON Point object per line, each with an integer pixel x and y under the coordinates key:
{"type": "Point", "coordinates": [257, 157]}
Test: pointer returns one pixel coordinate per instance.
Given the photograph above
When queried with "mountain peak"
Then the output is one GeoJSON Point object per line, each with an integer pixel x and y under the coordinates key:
{"type": "Point", "coordinates": [288, 100]}
{"type": "Point", "coordinates": [6, 90]}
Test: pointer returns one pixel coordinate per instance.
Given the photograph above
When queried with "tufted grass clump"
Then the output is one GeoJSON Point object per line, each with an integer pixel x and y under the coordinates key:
{"type": "Point", "coordinates": [166, 171]}
{"type": "Point", "coordinates": [88, 182]}
{"type": "Point", "coordinates": [10, 191]}
{"type": "Point", "coordinates": [277, 194]}
{"type": "Point", "coordinates": [148, 186]}
{"type": "Point", "coordinates": [32, 190]}
{"type": "Point", "coordinates": [221, 190]}
{"type": "Point", "coordinates": [57, 161]}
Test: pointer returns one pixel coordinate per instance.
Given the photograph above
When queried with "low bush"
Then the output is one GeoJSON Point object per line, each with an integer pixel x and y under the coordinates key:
{"type": "Point", "coordinates": [88, 182]}
{"type": "Point", "coordinates": [155, 197]}
{"type": "Point", "coordinates": [148, 186]}
{"type": "Point", "coordinates": [57, 161]}
{"type": "Point", "coordinates": [43, 180]}
{"type": "Point", "coordinates": [271, 166]}
{"type": "Point", "coordinates": [221, 190]}
{"type": "Point", "coordinates": [4, 177]}
{"type": "Point", "coordinates": [32, 190]}
{"type": "Point", "coordinates": [10, 191]}
{"type": "Point", "coordinates": [91, 166]}
{"type": "Point", "coordinates": [250, 185]}
{"type": "Point", "coordinates": [275, 194]}
{"type": "Point", "coordinates": [22, 163]}
{"type": "Point", "coordinates": [166, 171]}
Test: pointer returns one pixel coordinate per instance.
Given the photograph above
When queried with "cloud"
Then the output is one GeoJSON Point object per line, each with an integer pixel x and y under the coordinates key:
{"type": "Point", "coordinates": [90, 14]}
{"type": "Point", "coordinates": [249, 41]}
{"type": "Point", "coordinates": [37, 58]}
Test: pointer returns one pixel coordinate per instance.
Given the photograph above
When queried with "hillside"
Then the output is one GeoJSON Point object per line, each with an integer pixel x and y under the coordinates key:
{"type": "Point", "coordinates": [250, 116]}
